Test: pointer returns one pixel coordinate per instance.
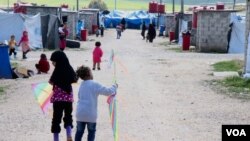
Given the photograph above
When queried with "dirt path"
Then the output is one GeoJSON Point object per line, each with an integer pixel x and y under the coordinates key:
{"type": "Point", "coordinates": [162, 95]}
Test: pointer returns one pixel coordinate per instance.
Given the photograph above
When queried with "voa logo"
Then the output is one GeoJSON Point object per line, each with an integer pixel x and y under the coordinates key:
{"type": "Point", "coordinates": [236, 132]}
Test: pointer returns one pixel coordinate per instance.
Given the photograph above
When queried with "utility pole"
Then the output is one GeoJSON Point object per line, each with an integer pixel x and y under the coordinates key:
{"type": "Point", "coordinates": [8, 6]}
{"type": "Point", "coordinates": [115, 4]}
{"type": "Point", "coordinates": [246, 54]}
{"type": "Point", "coordinates": [181, 14]}
{"type": "Point", "coordinates": [173, 6]}
{"type": "Point", "coordinates": [182, 6]}
{"type": "Point", "coordinates": [234, 4]}
{"type": "Point", "coordinates": [77, 5]}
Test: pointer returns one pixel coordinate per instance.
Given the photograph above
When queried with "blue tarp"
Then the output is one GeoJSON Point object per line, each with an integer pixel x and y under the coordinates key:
{"type": "Point", "coordinates": [133, 19]}
{"type": "Point", "coordinates": [5, 68]}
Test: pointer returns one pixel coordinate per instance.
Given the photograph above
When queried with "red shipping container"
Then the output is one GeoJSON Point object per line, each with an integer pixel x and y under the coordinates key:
{"type": "Point", "coordinates": [220, 6]}
{"type": "Point", "coordinates": [153, 7]}
{"type": "Point", "coordinates": [161, 8]}
{"type": "Point", "coordinates": [150, 7]}
{"type": "Point", "coordinates": [84, 34]}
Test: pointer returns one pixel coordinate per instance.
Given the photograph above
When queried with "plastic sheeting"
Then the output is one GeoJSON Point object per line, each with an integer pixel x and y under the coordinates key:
{"type": "Point", "coordinates": [237, 40]}
{"type": "Point", "coordinates": [11, 24]}
{"type": "Point", "coordinates": [33, 26]}
{"type": "Point", "coordinates": [5, 69]}
{"type": "Point", "coordinates": [183, 28]}
{"type": "Point", "coordinates": [133, 19]}
{"type": "Point", "coordinates": [15, 24]}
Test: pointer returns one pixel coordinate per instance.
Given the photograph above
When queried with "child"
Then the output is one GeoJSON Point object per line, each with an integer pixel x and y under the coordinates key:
{"type": "Point", "coordinates": [24, 42]}
{"type": "Point", "coordinates": [143, 30]}
{"type": "Point", "coordinates": [102, 30]}
{"type": "Point", "coordinates": [97, 32]}
{"type": "Point", "coordinates": [43, 65]}
{"type": "Point", "coordinates": [86, 111]}
{"type": "Point", "coordinates": [12, 45]}
{"type": "Point", "coordinates": [60, 29]}
{"type": "Point", "coordinates": [118, 31]}
{"type": "Point", "coordinates": [62, 78]}
{"type": "Point", "coordinates": [60, 32]}
{"type": "Point", "coordinates": [97, 54]}
{"type": "Point", "coordinates": [63, 33]}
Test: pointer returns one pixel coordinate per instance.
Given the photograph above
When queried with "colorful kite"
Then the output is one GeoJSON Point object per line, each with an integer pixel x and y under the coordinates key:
{"type": "Point", "coordinates": [112, 113]}
{"type": "Point", "coordinates": [112, 101]}
{"type": "Point", "coordinates": [43, 93]}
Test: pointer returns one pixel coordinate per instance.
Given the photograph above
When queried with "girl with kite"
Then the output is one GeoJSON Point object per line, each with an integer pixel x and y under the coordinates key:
{"type": "Point", "coordinates": [86, 111]}
{"type": "Point", "coordinates": [62, 78]}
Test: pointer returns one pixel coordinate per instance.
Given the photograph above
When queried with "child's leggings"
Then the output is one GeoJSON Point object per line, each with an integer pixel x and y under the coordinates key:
{"type": "Point", "coordinates": [59, 108]}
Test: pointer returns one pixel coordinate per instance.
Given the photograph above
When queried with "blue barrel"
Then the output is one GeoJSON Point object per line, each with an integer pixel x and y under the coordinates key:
{"type": "Point", "coordinates": [162, 29]}
{"type": "Point", "coordinates": [5, 68]}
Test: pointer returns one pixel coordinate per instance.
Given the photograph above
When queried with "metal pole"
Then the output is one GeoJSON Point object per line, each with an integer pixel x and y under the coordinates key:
{"type": "Point", "coordinates": [247, 37]}
{"type": "Point", "coordinates": [173, 6]}
{"type": "Point", "coordinates": [159, 14]}
{"type": "Point", "coordinates": [182, 6]}
{"type": "Point", "coordinates": [77, 5]}
{"type": "Point", "coordinates": [234, 4]}
{"type": "Point", "coordinates": [181, 16]}
{"type": "Point", "coordinates": [115, 4]}
{"type": "Point", "coordinates": [8, 6]}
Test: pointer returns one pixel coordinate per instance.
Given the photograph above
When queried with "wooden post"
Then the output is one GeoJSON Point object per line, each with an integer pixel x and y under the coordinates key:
{"type": "Point", "coordinates": [234, 4]}
{"type": "Point", "coordinates": [77, 5]}
{"type": "Point", "coordinates": [173, 6]}
{"type": "Point", "coordinates": [182, 6]}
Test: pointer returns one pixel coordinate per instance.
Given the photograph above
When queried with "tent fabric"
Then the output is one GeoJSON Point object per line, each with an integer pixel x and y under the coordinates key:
{"type": "Point", "coordinates": [11, 24]}
{"type": "Point", "coordinates": [15, 24]}
{"type": "Point", "coordinates": [183, 28]}
{"type": "Point", "coordinates": [237, 40]}
{"type": "Point", "coordinates": [5, 68]}
{"type": "Point", "coordinates": [2, 11]}
{"type": "Point", "coordinates": [133, 19]}
{"type": "Point", "coordinates": [33, 25]}
{"type": "Point", "coordinates": [50, 37]}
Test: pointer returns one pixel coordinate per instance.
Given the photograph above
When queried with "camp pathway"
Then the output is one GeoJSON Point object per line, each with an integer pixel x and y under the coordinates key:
{"type": "Point", "coordinates": [162, 96]}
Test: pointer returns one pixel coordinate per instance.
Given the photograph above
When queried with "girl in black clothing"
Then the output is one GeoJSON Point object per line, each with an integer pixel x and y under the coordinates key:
{"type": "Point", "coordinates": [62, 78]}
{"type": "Point", "coordinates": [151, 33]}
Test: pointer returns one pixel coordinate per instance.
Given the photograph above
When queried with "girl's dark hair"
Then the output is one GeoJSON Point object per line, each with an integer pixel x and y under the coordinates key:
{"type": "Point", "coordinates": [43, 56]}
{"type": "Point", "coordinates": [83, 72]}
{"type": "Point", "coordinates": [63, 75]}
{"type": "Point", "coordinates": [97, 44]}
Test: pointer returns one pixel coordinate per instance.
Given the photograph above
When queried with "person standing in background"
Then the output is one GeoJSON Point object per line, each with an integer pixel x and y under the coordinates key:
{"type": "Point", "coordinates": [63, 36]}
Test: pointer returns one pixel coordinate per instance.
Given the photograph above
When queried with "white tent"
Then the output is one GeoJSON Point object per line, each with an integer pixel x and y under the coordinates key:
{"type": "Point", "coordinates": [15, 24]}
{"type": "Point", "coordinates": [237, 40]}
{"type": "Point", "coordinates": [2, 11]}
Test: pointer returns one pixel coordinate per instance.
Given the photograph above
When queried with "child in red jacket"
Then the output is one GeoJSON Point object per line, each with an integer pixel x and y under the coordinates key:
{"type": "Point", "coordinates": [97, 54]}
{"type": "Point", "coordinates": [43, 65]}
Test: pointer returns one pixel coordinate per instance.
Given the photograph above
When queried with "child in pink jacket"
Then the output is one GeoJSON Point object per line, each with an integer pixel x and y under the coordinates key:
{"type": "Point", "coordinates": [24, 42]}
{"type": "Point", "coordinates": [97, 54]}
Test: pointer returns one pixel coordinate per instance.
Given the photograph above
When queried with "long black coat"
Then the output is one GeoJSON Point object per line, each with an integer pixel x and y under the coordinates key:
{"type": "Point", "coordinates": [151, 33]}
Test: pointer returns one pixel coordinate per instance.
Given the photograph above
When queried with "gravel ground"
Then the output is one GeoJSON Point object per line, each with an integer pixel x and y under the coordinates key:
{"type": "Point", "coordinates": [162, 94]}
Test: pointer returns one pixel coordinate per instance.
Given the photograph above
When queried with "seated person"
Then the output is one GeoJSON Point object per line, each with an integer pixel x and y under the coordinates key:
{"type": "Point", "coordinates": [43, 65]}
